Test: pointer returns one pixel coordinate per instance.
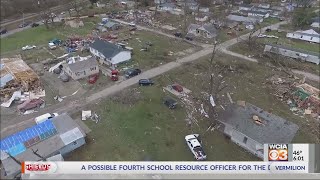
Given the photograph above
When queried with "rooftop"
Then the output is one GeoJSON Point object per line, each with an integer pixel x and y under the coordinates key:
{"type": "Point", "coordinates": [84, 64]}
{"type": "Point", "coordinates": [294, 49]}
{"type": "Point", "coordinates": [273, 129]}
{"type": "Point", "coordinates": [108, 49]}
{"type": "Point", "coordinates": [254, 12]}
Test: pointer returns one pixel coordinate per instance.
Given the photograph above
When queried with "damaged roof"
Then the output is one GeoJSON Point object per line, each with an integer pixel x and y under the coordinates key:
{"type": "Point", "coordinates": [274, 129]}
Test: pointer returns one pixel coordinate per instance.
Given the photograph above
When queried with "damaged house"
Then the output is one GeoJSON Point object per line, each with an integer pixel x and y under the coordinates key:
{"type": "Point", "coordinates": [81, 69]}
{"type": "Point", "coordinates": [206, 30]}
{"type": "Point", "coordinates": [17, 75]}
{"type": "Point", "coordinates": [109, 53]}
{"type": "Point", "coordinates": [251, 127]}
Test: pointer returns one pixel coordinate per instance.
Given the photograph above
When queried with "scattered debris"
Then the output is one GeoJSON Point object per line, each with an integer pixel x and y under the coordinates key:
{"type": "Point", "coordinates": [222, 107]}
{"type": "Point", "coordinates": [212, 101]}
{"type": "Point", "coordinates": [16, 94]}
{"type": "Point", "coordinates": [29, 112]}
{"type": "Point", "coordinates": [230, 99]}
{"type": "Point", "coordinates": [203, 112]}
{"type": "Point", "coordinates": [241, 103]}
{"type": "Point", "coordinates": [85, 115]}
{"type": "Point", "coordinates": [58, 98]}
{"type": "Point", "coordinates": [95, 118]}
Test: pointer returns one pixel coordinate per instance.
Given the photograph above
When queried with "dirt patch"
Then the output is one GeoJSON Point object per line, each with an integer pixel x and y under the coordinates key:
{"type": "Point", "coordinates": [128, 97]}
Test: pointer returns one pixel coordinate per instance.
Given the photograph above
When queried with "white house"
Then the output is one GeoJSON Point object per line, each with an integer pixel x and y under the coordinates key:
{"type": "Point", "coordinates": [244, 19]}
{"type": "Point", "coordinates": [206, 30]}
{"type": "Point", "coordinates": [264, 5]}
{"type": "Point", "coordinates": [255, 13]}
{"type": "Point", "coordinates": [308, 35]}
{"type": "Point", "coordinates": [109, 53]}
{"type": "Point", "coordinates": [245, 7]}
{"type": "Point", "coordinates": [293, 53]}
{"type": "Point", "coordinates": [81, 69]}
{"type": "Point", "coordinates": [166, 7]}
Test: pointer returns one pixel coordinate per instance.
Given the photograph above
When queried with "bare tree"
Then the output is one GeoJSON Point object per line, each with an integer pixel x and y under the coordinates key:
{"type": "Point", "coordinates": [75, 5]}
{"type": "Point", "coordinates": [215, 84]}
{"type": "Point", "coordinates": [252, 38]}
{"type": "Point", "coordinates": [185, 17]}
{"type": "Point", "coordinates": [45, 12]}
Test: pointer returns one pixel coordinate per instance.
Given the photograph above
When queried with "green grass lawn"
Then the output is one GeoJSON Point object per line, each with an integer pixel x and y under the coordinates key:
{"type": "Point", "coordinates": [258, 53]}
{"type": "Point", "coordinates": [158, 53]}
{"type": "Point", "coordinates": [41, 36]}
{"type": "Point", "coordinates": [136, 125]}
{"type": "Point", "coordinates": [269, 21]}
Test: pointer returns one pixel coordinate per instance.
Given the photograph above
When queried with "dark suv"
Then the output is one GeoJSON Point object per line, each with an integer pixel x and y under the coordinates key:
{"type": "Point", "coordinates": [34, 25]}
{"type": "Point", "coordinates": [3, 31]}
{"type": "Point", "coordinates": [171, 103]}
{"type": "Point", "coordinates": [145, 82]}
{"type": "Point", "coordinates": [178, 34]}
{"type": "Point", "coordinates": [132, 72]}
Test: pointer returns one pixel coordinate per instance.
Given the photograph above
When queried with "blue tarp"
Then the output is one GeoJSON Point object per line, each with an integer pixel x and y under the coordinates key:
{"type": "Point", "coordinates": [15, 143]}
{"type": "Point", "coordinates": [5, 79]}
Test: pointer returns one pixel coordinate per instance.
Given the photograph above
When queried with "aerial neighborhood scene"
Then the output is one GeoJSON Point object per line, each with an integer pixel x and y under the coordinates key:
{"type": "Point", "coordinates": [156, 80]}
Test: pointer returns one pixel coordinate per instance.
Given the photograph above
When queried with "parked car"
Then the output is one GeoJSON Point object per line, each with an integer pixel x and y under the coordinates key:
{"type": "Point", "coordinates": [34, 25]}
{"type": "Point", "coordinates": [171, 103]}
{"type": "Point", "coordinates": [268, 30]}
{"type": "Point", "coordinates": [132, 24]}
{"type": "Point", "coordinates": [194, 144]}
{"type": "Point", "coordinates": [145, 82]}
{"type": "Point", "coordinates": [132, 72]}
{"type": "Point", "coordinates": [177, 87]}
{"type": "Point", "coordinates": [30, 104]}
{"type": "Point", "coordinates": [45, 117]}
{"type": "Point", "coordinates": [3, 31]}
{"type": "Point", "coordinates": [52, 45]}
{"type": "Point", "coordinates": [93, 78]}
{"type": "Point", "coordinates": [28, 47]}
{"type": "Point", "coordinates": [189, 38]}
{"type": "Point", "coordinates": [25, 24]}
{"type": "Point", "coordinates": [178, 34]}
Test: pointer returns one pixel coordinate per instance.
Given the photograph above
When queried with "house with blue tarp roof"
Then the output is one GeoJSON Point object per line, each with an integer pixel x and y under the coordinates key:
{"type": "Point", "coordinates": [59, 135]}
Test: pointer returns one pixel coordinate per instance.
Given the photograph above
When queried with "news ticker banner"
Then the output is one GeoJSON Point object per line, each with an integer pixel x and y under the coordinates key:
{"type": "Point", "coordinates": [278, 158]}
{"type": "Point", "coordinates": [78, 167]}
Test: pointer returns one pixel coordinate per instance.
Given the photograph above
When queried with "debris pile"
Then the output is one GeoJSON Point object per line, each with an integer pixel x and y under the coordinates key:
{"type": "Point", "coordinates": [90, 115]}
{"type": "Point", "coordinates": [16, 75]}
{"type": "Point", "coordinates": [302, 98]}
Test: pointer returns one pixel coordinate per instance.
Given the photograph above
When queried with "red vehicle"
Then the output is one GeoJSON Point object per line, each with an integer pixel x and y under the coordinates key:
{"type": "Point", "coordinates": [30, 104]}
{"type": "Point", "coordinates": [177, 87]}
{"type": "Point", "coordinates": [93, 78]}
{"type": "Point", "coordinates": [114, 75]}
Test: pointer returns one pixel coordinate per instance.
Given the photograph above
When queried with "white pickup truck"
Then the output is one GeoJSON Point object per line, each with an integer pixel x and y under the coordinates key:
{"type": "Point", "coordinates": [195, 146]}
